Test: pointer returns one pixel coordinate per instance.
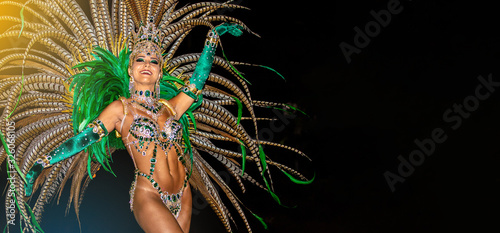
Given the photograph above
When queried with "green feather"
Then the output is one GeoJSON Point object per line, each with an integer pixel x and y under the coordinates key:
{"type": "Point", "coordinates": [243, 157]}
{"type": "Point", "coordinates": [233, 68]}
{"type": "Point", "coordinates": [296, 109]}
{"type": "Point", "coordinates": [20, 93]}
{"type": "Point", "coordinates": [261, 220]}
{"type": "Point", "coordinates": [82, 126]}
{"type": "Point", "coordinates": [291, 107]}
{"type": "Point", "coordinates": [295, 180]}
{"type": "Point", "coordinates": [262, 157]}
{"type": "Point", "coordinates": [33, 219]}
{"type": "Point", "coordinates": [11, 158]}
{"type": "Point", "coordinates": [271, 69]}
{"type": "Point", "coordinates": [22, 22]}
{"type": "Point", "coordinates": [191, 116]}
{"type": "Point", "coordinates": [240, 109]}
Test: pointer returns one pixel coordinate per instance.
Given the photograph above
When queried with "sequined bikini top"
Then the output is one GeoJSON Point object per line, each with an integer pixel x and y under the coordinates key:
{"type": "Point", "coordinates": [146, 130]}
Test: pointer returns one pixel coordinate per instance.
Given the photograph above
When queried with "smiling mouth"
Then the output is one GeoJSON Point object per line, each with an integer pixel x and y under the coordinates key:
{"type": "Point", "coordinates": [146, 72]}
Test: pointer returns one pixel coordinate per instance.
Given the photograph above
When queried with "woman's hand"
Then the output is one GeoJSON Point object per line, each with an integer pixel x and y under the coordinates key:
{"type": "Point", "coordinates": [188, 93]}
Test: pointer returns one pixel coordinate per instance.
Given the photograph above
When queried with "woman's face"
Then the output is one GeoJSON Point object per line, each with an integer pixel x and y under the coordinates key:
{"type": "Point", "coordinates": [145, 68]}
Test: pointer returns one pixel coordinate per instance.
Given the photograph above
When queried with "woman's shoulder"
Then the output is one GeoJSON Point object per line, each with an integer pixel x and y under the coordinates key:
{"type": "Point", "coordinates": [119, 104]}
{"type": "Point", "coordinates": [169, 106]}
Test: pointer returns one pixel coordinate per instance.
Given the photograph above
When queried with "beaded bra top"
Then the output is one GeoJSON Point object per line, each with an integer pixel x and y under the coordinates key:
{"type": "Point", "coordinates": [146, 130]}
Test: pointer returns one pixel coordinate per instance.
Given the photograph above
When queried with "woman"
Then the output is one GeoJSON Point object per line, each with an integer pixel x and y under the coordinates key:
{"type": "Point", "coordinates": [115, 91]}
{"type": "Point", "coordinates": [149, 210]}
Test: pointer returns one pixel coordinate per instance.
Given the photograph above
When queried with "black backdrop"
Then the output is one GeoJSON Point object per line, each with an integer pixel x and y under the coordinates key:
{"type": "Point", "coordinates": [414, 76]}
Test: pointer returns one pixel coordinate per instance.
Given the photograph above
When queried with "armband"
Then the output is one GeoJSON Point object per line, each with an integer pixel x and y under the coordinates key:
{"type": "Point", "coordinates": [191, 90]}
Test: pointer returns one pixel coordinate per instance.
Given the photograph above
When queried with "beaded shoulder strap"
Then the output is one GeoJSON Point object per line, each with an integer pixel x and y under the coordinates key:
{"type": "Point", "coordinates": [169, 106]}
{"type": "Point", "coordinates": [123, 100]}
{"type": "Point", "coordinates": [125, 111]}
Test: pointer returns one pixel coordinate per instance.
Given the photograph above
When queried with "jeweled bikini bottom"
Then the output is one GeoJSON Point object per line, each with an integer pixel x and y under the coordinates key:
{"type": "Point", "coordinates": [171, 201]}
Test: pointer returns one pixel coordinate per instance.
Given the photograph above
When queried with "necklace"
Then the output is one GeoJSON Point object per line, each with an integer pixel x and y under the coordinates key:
{"type": "Point", "coordinates": [145, 96]}
{"type": "Point", "coordinates": [148, 100]}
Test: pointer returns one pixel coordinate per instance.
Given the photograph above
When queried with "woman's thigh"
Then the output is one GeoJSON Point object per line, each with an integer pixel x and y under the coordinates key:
{"type": "Point", "coordinates": [184, 218]}
{"type": "Point", "coordinates": [151, 214]}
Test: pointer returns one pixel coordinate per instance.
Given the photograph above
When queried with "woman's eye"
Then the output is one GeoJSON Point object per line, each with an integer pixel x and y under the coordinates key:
{"type": "Point", "coordinates": [154, 62]}
{"type": "Point", "coordinates": [139, 60]}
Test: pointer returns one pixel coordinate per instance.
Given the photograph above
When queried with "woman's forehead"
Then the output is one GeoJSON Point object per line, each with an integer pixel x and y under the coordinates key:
{"type": "Point", "coordinates": [147, 55]}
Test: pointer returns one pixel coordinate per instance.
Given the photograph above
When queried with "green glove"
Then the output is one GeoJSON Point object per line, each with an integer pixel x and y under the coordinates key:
{"type": "Point", "coordinates": [31, 176]}
{"type": "Point", "coordinates": [93, 133]}
{"type": "Point", "coordinates": [204, 65]}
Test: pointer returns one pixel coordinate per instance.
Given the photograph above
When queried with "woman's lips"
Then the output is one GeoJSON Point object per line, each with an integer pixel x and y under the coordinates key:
{"type": "Point", "coordinates": [146, 72]}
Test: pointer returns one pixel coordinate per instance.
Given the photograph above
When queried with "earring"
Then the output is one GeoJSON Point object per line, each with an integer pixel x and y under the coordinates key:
{"type": "Point", "coordinates": [131, 84]}
{"type": "Point", "coordinates": [157, 87]}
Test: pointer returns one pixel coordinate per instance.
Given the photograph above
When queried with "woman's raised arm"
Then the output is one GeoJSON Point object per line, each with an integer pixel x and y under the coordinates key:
{"type": "Point", "coordinates": [192, 88]}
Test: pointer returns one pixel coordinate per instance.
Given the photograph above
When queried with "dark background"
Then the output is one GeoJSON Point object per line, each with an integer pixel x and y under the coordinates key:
{"type": "Point", "coordinates": [361, 116]}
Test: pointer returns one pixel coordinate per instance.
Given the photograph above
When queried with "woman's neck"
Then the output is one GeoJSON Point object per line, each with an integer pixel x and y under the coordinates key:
{"type": "Point", "coordinates": [147, 97]}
